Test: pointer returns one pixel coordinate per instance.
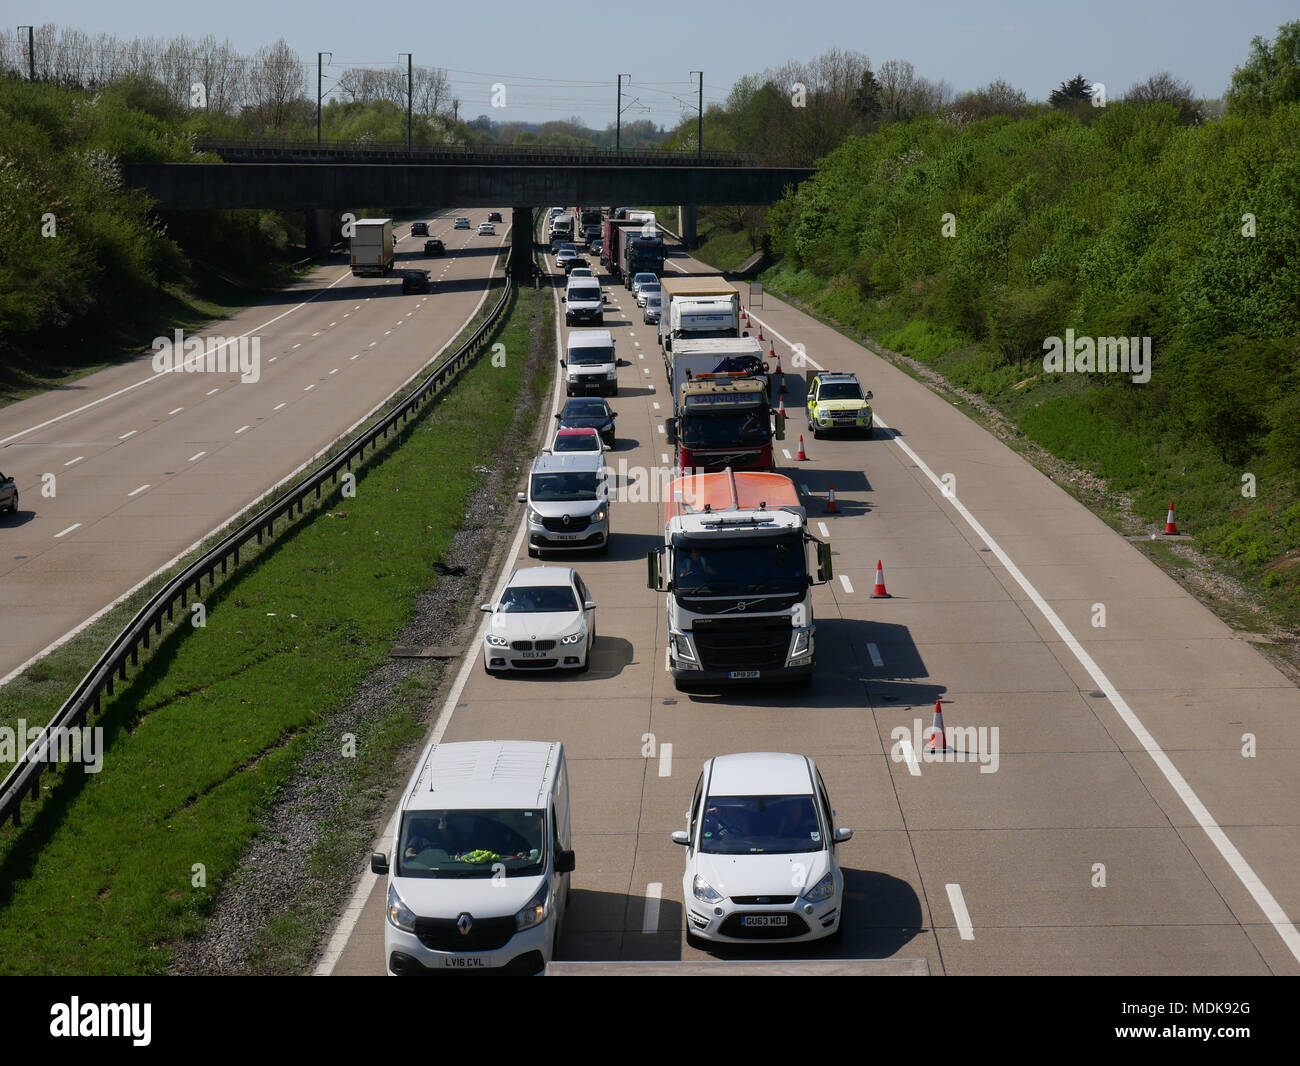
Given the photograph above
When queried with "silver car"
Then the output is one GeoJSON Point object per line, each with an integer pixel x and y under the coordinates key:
{"type": "Point", "coordinates": [8, 494]}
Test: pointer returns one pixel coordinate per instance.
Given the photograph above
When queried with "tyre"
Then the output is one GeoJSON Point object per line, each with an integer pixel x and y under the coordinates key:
{"type": "Point", "coordinates": [13, 504]}
{"type": "Point", "coordinates": [532, 553]}
{"type": "Point", "coordinates": [698, 943]}
{"type": "Point", "coordinates": [586, 660]}
{"type": "Point", "coordinates": [817, 433]}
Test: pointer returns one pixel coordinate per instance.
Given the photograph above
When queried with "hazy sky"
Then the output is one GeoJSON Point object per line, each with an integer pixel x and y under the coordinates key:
{"type": "Point", "coordinates": [557, 60]}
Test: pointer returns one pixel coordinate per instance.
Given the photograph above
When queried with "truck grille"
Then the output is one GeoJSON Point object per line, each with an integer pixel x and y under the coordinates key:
{"type": "Point", "coordinates": [742, 643]}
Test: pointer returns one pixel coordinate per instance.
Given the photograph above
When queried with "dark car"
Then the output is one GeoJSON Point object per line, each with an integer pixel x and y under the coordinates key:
{"type": "Point", "coordinates": [597, 247]}
{"type": "Point", "coordinates": [494, 216]}
{"type": "Point", "coordinates": [589, 412]}
{"type": "Point", "coordinates": [415, 281]}
{"type": "Point", "coordinates": [419, 229]}
{"type": "Point", "coordinates": [8, 494]}
{"type": "Point", "coordinates": [576, 261]}
{"type": "Point", "coordinates": [434, 247]}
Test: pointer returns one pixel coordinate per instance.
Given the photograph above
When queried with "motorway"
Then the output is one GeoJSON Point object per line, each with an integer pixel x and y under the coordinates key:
{"type": "Point", "coordinates": [1123, 830]}
{"type": "Point", "coordinates": [146, 465]}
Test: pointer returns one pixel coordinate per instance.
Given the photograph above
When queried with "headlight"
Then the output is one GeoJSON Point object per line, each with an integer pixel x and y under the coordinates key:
{"type": "Point", "coordinates": [822, 890]}
{"type": "Point", "coordinates": [599, 516]}
{"type": "Point", "coordinates": [802, 638]}
{"type": "Point", "coordinates": [497, 642]}
{"type": "Point", "coordinates": [534, 516]}
{"type": "Point", "coordinates": [573, 638]}
{"type": "Point", "coordinates": [611, 374]}
{"type": "Point", "coordinates": [535, 910]}
{"type": "Point", "coordinates": [864, 416]}
{"type": "Point", "coordinates": [682, 647]}
{"type": "Point", "coordinates": [705, 892]}
{"type": "Point", "coordinates": [398, 913]}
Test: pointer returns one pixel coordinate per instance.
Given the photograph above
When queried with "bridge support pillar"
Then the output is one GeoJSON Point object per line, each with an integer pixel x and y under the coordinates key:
{"type": "Point", "coordinates": [686, 219]}
{"type": "Point", "coordinates": [521, 243]}
{"type": "Point", "coordinates": [319, 237]}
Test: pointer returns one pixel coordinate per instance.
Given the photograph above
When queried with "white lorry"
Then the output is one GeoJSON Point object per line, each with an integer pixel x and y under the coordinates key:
{"type": "Point", "coordinates": [698, 308]}
{"type": "Point", "coordinates": [372, 247]}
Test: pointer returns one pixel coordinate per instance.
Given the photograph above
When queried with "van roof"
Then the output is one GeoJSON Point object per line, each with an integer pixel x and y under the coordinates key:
{"type": "Point", "coordinates": [590, 338]}
{"type": "Point", "coordinates": [484, 774]}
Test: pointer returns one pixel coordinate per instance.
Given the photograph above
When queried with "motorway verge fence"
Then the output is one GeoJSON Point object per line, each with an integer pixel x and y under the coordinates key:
{"type": "Point", "coordinates": [23, 781]}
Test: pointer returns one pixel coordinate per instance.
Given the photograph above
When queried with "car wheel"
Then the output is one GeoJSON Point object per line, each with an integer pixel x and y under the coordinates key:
{"type": "Point", "coordinates": [817, 433]}
{"type": "Point", "coordinates": [696, 942]}
{"type": "Point", "coordinates": [586, 661]}
{"type": "Point", "coordinates": [485, 669]}
{"type": "Point", "coordinates": [532, 553]}
{"type": "Point", "coordinates": [13, 504]}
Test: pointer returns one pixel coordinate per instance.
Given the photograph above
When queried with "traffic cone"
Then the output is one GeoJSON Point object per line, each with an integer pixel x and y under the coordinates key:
{"type": "Point", "coordinates": [801, 456]}
{"type": "Point", "coordinates": [938, 743]}
{"type": "Point", "coordinates": [771, 351]}
{"type": "Point", "coordinates": [831, 506]}
{"type": "Point", "coordinates": [781, 410]}
{"type": "Point", "coordinates": [879, 593]}
{"type": "Point", "coordinates": [1169, 521]}
{"type": "Point", "coordinates": [760, 331]}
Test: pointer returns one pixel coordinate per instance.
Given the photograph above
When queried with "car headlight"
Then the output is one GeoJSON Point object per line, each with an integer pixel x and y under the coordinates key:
{"type": "Point", "coordinates": [534, 515]}
{"type": "Point", "coordinates": [822, 890]}
{"type": "Point", "coordinates": [802, 638]}
{"type": "Point", "coordinates": [599, 516]}
{"type": "Point", "coordinates": [535, 910]}
{"type": "Point", "coordinates": [611, 374]}
{"type": "Point", "coordinates": [398, 913]}
{"type": "Point", "coordinates": [497, 642]}
{"type": "Point", "coordinates": [705, 892]}
{"type": "Point", "coordinates": [573, 638]}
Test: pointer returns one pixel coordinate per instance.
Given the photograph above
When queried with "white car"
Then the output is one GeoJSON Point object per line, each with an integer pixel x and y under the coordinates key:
{"type": "Point", "coordinates": [642, 279]}
{"type": "Point", "coordinates": [647, 290]}
{"type": "Point", "coordinates": [487, 229]}
{"type": "Point", "coordinates": [544, 619]}
{"type": "Point", "coordinates": [581, 272]}
{"type": "Point", "coordinates": [760, 852]}
{"type": "Point", "coordinates": [461, 222]}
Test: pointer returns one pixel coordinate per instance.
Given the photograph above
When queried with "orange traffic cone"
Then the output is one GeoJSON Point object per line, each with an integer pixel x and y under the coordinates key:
{"type": "Point", "coordinates": [802, 457]}
{"type": "Point", "coordinates": [782, 381]}
{"type": "Point", "coordinates": [938, 743]}
{"type": "Point", "coordinates": [771, 351]}
{"type": "Point", "coordinates": [1169, 521]}
{"type": "Point", "coordinates": [760, 331]}
{"type": "Point", "coordinates": [879, 593]}
{"type": "Point", "coordinates": [831, 506]}
{"type": "Point", "coordinates": [781, 410]}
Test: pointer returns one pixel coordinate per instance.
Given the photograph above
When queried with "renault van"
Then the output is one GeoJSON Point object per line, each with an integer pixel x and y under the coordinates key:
{"type": "Point", "coordinates": [478, 881]}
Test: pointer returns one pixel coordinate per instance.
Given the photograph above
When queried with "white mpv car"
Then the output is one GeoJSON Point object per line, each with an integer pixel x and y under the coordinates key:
{"type": "Point", "coordinates": [760, 852]}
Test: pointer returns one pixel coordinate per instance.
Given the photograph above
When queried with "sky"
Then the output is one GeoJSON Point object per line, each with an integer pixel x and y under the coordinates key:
{"type": "Point", "coordinates": [555, 61]}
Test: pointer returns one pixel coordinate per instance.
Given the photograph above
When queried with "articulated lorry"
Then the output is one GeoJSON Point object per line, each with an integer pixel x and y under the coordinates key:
{"type": "Point", "coordinates": [722, 416]}
{"type": "Point", "coordinates": [372, 247]}
{"type": "Point", "coordinates": [695, 307]}
{"type": "Point", "coordinates": [609, 231]}
{"type": "Point", "coordinates": [589, 220]}
{"type": "Point", "coordinates": [734, 565]}
{"type": "Point", "coordinates": [639, 250]}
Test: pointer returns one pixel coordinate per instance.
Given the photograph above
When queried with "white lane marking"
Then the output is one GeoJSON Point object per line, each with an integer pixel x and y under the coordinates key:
{"type": "Point", "coordinates": [654, 405]}
{"type": "Point", "coordinates": [645, 370]}
{"type": "Point", "coordinates": [298, 345]}
{"type": "Point", "coordinates": [211, 391]}
{"type": "Point", "coordinates": [274, 358]}
{"type": "Point", "coordinates": [357, 356]}
{"type": "Point", "coordinates": [240, 430]}
{"type": "Point", "coordinates": [959, 912]}
{"type": "Point", "coordinates": [136, 492]}
{"type": "Point", "coordinates": [909, 757]}
{"type": "Point", "coordinates": [652, 388]}
{"type": "Point", "coordinates": [663, 457]}
{"type": "Point", "coordinates": [76, 460]}
{"type": "Point", "coordinates": [131, 434]}
{"type": "Point", "coordinates": [637, 344]}
{"type": "Point", "coordinates": [387, 332]}
{"type": "Point", "coordinates": [282, 403]}
{"type": "Point", "coordinates": [640, 355]}
{"type": "Point", "coordinates": [333, 323]}
{"type": "Point", "coordinates": [175, 410]}
{"type": "Point", "coordinates": [874, 652]}
{"type": "Point", "coordinates": [848, 586]}
{"type": "Point", "coordinates": [821, 528]}
{"type": "Point", "coordinates": [665, 760]}
{"type": "Point", "coordinates": [197, 455]}
{"type": "Point", "coordinates": [661, 428]}
{"type": "Point", "coordinates": [309, 388]}
{"type": "Point", "coordinates": [786, 453]}
{"type": "Point", "coordinates": [372, 344]}
{"type": "Point", "coordinates": [75, 525]}
{"type": "Point", "coordinates": [1245, 873]}
{"type": "Point", "coordinates": [653, 893]}
{"type": "Point", "coordinates": [159, 377]}
{"type": "Point", "coordinates": [347, 314]}
{"type": "Point", "coordinates": [335, 370]}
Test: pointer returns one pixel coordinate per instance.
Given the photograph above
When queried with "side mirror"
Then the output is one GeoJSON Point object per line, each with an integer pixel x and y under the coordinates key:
{"type": "Point", "coordinates": [745, 334]}
{"type": "Point", "coordinates": [654, 560]}
{"type": "Point", "coordinates": [566, 861]}
{"type": "Point", "coordinates": [780, 426]}
{"type": "Point", "coordinates": [868, 394]}
{"type": "Point", "coordinates": [485, 607]}
{"type": "Point", "coordinates": [604, 297]}
{"type": "Point", "coordinates": [682, 837]}
{"type": "Point", "coordinates": [564, 364]}
{"type": "Point", "coordinates": [378, 862]}
{"type": "Point", "coordinates": [557, 417]}
{"type": "Point", "coordinates": [670, 430]}
{"type": "Point", "coordinates": [588, 605]}
{"type": "Point", "coordinates": [824, 569]}
{"type": "Point", "coordinates": [564, 299]}
{"type": "Point", "coordinates": [843, 835]}
{"type": "Point", "coordinates": [521, 497]}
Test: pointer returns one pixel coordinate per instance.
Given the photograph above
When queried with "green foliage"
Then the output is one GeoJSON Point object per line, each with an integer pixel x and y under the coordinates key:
{"type": "Point", "coordinates": [1270, 76]}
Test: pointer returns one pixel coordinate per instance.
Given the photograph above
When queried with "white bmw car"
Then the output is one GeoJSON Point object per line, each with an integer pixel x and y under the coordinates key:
{"type": "Point", "coordinates": [544, 619]}
{"type": "Point", "coordinates": [760, 852]}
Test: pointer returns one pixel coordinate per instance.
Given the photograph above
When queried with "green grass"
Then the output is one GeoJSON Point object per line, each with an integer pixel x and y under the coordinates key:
{"type": "Point", "coordinates": [203, 737]}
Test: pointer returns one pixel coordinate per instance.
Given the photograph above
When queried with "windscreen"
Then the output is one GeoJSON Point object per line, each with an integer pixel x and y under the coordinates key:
{"type": "Point", "coordinates": [592, 356]}
{"type": "Point", "coordinates": [582, 408]}
{"type": "Point", "coordinates": [760, 825]}
{"type": "Point", "coordinates": [840, 390]}
{"type": "Point", "coordinates": [570, 485]}
{"type": "Point", "coordinates": [739, 570]}
{"type": "Point", "coordinates": [538, 599]}
{"type": "Point", "coordinates": [584, 292]}
{"type": "Point", "coordinates": [725, 429]}
{"type": "Point", "coordinates": [472, 843]}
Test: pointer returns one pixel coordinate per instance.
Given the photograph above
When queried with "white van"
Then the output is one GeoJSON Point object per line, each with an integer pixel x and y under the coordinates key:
{"type": "Point", "coordinates": [584, 301]}
{"type": "Point", "coordinates": [482, 854]}
{"type": "Point", "coordinates": [590, 364]}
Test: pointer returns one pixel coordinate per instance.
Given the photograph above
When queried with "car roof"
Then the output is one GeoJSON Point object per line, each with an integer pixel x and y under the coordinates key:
{"type": "Point", "coordinates": [836, 375]}
{"type": "Point", "coordinates": [576, 431]}
{"type": "Point", "coordinates": [590, 338]}
{"type": "Point", "coordinates": [540, 575]}
{"type": "Point", "coordinates": [585, 401]}
{"type": "Point", "coordinates": [484, 774]}
{"type": "Point", "coordinates": [760, 773]}
{"type": "Point", "coordinates": [569, 463]}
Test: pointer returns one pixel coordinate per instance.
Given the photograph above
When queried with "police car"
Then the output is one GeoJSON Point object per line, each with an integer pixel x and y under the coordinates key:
{"type": "Point", "coordinates": [836, 401]}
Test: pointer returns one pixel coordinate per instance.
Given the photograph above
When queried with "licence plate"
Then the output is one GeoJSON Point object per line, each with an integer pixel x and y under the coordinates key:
{"type": "Point", "coordinates": [464, 962]}
{"type": "Point", "coordinates": [741, 675]}
{"type": "Point", "coordinates": [766, 921]}
{"type": "Point", "coordinates": [567, 536]}
{"type": "Point", "coordinates": [533, 654]}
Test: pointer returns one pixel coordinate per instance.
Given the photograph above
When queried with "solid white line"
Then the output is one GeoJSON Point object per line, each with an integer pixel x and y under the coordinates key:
{"type": "Point", "coordinates": [131, 434]}
{"type": "Point", "coordinates": [176, 410]}
{"type": "Point", "coordinates": [653, 893]}
{"type": "Point", "coordinates": [665, 760]}
{"type": "Point", "coordinates": [848, 587]}
{"type": "Point", "coordinates": [909, 757]}
{"type": "Point", "coordinates": [76, 460]}
{"type": "Point", "coordinates": [959, 912]}
{"type": "Point", "coordinates": [874, 652]}
{"type": "Point", "coordinates": [1245, 874]}
{"type": "Point", "coordinates": [821, 528]}
{"type": "Point", "coordinates": [75, 525]}
{"type": "Point", "coordinates": [196, 455]}
{"type": "Point", "coordinates": [136, 492]}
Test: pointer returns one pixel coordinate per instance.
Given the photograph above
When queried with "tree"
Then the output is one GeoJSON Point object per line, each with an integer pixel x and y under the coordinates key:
{"type": "Point", "coordinates": [1270, 76]}
{"type": "Point", "coordinates": [1075, 91]}
{"type": "Point", "coordinates": [1164, 88]}
{"type": "Point", "coordinates": [866, 98]}
{"type": "Point", "coordinates": [277, 82]}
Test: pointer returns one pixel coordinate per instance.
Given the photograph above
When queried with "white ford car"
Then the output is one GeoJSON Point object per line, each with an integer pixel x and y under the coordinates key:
{"type": "Point", "coordinates": [760, 852]}
{"type": "Point", "coordinates": [544, 619]}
